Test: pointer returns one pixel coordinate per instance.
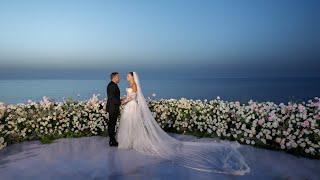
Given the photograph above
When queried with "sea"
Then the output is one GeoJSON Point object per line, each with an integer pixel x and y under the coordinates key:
{"type": "Point", "coordinates": [278, 90]}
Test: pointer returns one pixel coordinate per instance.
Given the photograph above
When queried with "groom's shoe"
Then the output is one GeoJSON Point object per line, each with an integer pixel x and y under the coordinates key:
{"type": "Point", "coordinates": [113, 143]}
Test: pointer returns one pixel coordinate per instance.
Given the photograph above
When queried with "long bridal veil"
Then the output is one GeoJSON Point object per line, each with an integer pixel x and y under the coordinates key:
{"type": "Point", "coordinates": [219, 157]}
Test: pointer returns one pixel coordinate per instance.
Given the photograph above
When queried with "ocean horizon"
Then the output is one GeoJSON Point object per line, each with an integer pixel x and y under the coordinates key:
{"type": "Point", "coordinates": [243, 89]}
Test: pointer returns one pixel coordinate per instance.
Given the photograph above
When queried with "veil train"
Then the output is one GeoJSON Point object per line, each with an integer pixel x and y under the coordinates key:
{"type": "Point", "coordinates": [219, 157]}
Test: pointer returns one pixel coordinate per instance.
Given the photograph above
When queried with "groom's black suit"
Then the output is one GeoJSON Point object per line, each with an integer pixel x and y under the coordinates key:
{"type": "Point", "coordinates": [113, 104]}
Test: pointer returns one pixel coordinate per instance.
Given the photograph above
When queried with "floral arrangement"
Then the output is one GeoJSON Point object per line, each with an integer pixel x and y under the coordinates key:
{"type": "Point", "coordinates": [293, 127]}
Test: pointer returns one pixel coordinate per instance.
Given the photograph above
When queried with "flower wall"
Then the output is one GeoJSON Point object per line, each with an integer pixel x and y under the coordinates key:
{"type": "Point", "coordinates": [293, 127]}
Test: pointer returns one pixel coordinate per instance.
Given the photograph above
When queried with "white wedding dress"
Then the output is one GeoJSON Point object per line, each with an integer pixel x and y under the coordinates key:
{"type": "Point", "coordinates": [139, 130]}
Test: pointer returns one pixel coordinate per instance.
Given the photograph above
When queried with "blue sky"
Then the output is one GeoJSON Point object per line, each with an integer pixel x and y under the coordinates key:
{"type": "Point", "coordinates": [223, 36]}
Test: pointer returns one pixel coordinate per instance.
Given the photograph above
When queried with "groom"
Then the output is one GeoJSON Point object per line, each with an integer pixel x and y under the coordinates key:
{"type": "Point", "coordinates": [113, 104]}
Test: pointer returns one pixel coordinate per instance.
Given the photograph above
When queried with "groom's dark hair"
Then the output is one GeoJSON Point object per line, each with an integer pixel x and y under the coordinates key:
{"type": "Point", "coordinates": [113, 75]}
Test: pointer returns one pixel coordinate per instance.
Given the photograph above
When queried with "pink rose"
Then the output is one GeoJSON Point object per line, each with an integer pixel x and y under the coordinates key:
{"type": "Point", "coordinates": [272, 116]}
{"type": "Point", "coordinates": [306, 123]}
{"type": "Point", "coordinates": [260, 122]}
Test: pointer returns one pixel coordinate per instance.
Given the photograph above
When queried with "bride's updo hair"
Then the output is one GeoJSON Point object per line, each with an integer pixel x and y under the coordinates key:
{"type": "Point", "coordinates": [131, 73]}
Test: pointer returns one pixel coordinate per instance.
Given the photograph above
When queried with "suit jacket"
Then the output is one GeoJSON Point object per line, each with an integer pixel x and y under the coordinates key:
{"type": "Point", "coordinates": [113, 93]}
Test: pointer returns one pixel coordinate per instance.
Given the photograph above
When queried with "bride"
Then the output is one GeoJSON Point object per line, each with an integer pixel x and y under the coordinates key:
{"type": "Point", "coordinates": [139, 130]}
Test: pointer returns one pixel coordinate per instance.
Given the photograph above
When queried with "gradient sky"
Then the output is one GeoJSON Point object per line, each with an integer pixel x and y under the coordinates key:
{"type": "Point", "coordinates": [256, 37]}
